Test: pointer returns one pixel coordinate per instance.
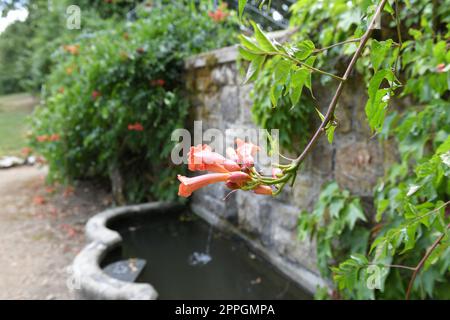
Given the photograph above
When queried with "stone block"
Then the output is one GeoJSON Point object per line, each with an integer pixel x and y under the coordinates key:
{"type": "Point", "coordinates": [306, 190]}
{"type": "Point", "coordinates": [229, 103]}
{"type": "Point", "coordinates": [288, 246]}
{"type": "Point", "coordinates": [358, 166]}
{"type": "Point", "coordinates": [224, 75]}
{"type": "Point", "coordinates": [286, 216]}
{"type": "Point", "coordinates": [255, 216]}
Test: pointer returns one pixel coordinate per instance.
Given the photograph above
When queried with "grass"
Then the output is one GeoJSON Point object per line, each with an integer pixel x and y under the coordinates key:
{"type": "Point", "coordinates": [14, 110]}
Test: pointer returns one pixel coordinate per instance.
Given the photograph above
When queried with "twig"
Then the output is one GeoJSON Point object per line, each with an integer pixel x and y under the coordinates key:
{"type": "Point", "coordinates": [337, 44]}
{"type": "Point", "coordinates": [397, 22]}
{"type": "Point", "coordinates": [307, 66]}
{"type": "Point", "coordinates": [422, 262]}
{"type": "Point", "coordinates": [334, 100]}
{"type": "Point", "coordinates": [399, 266]}
{"type": "Point", "coordinates": [399, 36]}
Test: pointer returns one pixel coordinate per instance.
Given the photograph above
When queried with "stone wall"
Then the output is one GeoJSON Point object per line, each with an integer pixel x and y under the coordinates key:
{"type": "Point", "coordinates": [355, 160]}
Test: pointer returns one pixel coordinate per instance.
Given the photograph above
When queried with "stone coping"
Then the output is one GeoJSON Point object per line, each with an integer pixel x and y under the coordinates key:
{"type": "Point", "coordinates": [90, 282]}
{"type": "Point", "coordinates": [213, 57]}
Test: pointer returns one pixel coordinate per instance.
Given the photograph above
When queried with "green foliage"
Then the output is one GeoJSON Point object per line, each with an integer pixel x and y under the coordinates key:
{"type": "Point", "coordinates": [287, 115]}
{"type": "Point", "coordinates": [242, 4]}
{"type": "Point", "coordinates": [26, 48]}
{"type": "Point", "coordinates": [379, 98]}
{"type": "Point", "coordinates": [283, 73]}
{"type": "Point", "coordinates": [413, 217]}
{"type": "Point", "coordinates": [114, 100]}
{"type": "Point", "coordinates": [410, 68]}
{"type": "Point", "coordinates": [336, 215]}
{"type": "Point", "coordinates": [411, 200]}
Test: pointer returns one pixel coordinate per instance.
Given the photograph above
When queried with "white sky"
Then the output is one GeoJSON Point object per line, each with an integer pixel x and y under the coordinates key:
{"type": "Point", "coordinates": [13, 15]}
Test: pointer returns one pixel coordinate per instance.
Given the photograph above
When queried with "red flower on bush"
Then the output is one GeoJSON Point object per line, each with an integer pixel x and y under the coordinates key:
{"type": "Point", "coordinates": [69, 70]}
{"type": "Point", "coordinates": [234, 171]}
{"type": "Point", "coordinates": [219, 15]}
{"type": "Point", "coordinates": [42, 138]}
{"type": "Point", "coordinates": [72, 49]}
{"type": "Point", "coordinates": [135, 127]}
{"type": "Point", "coordinates": [140, 50]}
{"type": "Point", "coordinates": [45, 137]}
{"type": "Point", "coordinates": [26, 151]}
{"type": "Point", "coordinates": [96, 94]}
{"type": "Point", "coordinates": [158, 82]}
{"type": "Point", "coordinates": [54, 137]}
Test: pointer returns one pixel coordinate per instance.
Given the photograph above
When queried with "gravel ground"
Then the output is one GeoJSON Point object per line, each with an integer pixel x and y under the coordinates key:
{"type": "Point", "coordinates": [41, 231]}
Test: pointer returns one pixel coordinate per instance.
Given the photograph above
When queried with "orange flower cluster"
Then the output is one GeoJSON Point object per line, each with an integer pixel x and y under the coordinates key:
{"type": "Point", "coordinates": [47, 138]}
{"type": "Point", "coordinates": [135, 127]}
{"type": "Point", "coordinates": [69, 70]}
{"type": "Point", "coordinates": [72, 49]}
{"type": "Point", "coordinates": [220, 14]}
{"type": "Point", "coordinates": [157, 83]}
{"type": "Point", "coordinates": [233, 171]}
{"type": "Point", "coordinates": [96, 94]}
{"type": "Point", "coordinates": [26, 151]}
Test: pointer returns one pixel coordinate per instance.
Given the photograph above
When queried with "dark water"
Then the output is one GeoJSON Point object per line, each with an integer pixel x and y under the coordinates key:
{"type": "Point", "coordinates": [168, 242]}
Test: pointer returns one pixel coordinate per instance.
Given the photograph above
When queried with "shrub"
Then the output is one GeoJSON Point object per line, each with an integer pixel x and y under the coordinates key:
{"type": "Point", "coordinates": [113, 99]}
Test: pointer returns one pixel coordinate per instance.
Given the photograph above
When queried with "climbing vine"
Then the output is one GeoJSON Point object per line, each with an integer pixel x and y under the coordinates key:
{"type": "Point", "coordinates": [406, 242]}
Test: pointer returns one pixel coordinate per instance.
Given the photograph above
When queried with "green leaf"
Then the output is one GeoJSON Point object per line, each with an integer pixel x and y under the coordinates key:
{"type": "Point", "coordinates": [254, 67]}
{"type": "Point", "coordinates": [388, 8]}
{"type": "Point", "coordinates": [410, 237]}
{"type": "Point", "coordinates": [304, 49]}
{"type": "Point", "coordinates": [246, 54]}
{"type": "Point", "coordinates": [377, 102]}
{"type": "Point", "coordinates": [381, 208]}
{"type": "Point", "coordinates": [264, 42]}
{"type": "Point", "coordinates": [281, 72]}
{"type": "Point", "coordinates": [354, 212]}
{"type": "Point", "coordinates": [444, 147]}
{"type": "Point", "coordinates": [275, 93]}
{"type": "Point", "coordinates": [308, 83]}
{"type": "Point", "coordinates": [250, 44]}
{"type": "Point", "coordinates": [330, 133]}
{"type": "Point", "coordinates": [322, 117]}
{"type": "Point", "coordinates": [346, 275]}
{"type": "Point", "coordinates": [378, 52]}
{"type": "Point", "coordinates": [242, 4]}
{"type": "Point", "coordinates": [335, 207]}
{"type": "Point", "coordinates": [298, 80]}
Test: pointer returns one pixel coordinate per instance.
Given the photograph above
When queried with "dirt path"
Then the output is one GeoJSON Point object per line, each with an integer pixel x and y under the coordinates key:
{"type": "Point", "coordinates": [41, 230]}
